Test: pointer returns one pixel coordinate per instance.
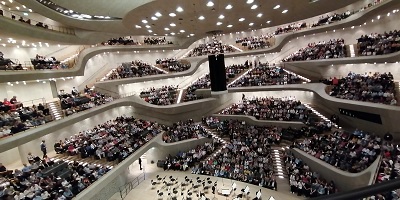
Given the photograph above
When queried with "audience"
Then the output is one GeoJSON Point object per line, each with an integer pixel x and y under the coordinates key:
{"type": "Point", "coordinates": [305, 182]}
{"type": "Point", "coordinates": [247, 157]}
{"type": "Point", "coordinates": [132, 69]}
{"type": "Point", "coordinates": [352, 152]}
{"type": "Point", "coordinates": [121, 41]}
{"type": "Point", "coordinates": [371, 87]}
{"type": "Point", "coordinates": [77, 102]}
{"type": "Point", "coordinates": [185, 160]}
{"type": "Point", "coordinates": [39, 180]}
{"type": "Point", "coordinates": [156, 41]}
{"type": "Point", "coordinates": [255, 42]}
{"type": "Point", "coordinates": [113, 140]}
{"type": "Point", "coordinates": [173, 64]}
{"type": "Point", "coordinates": [264, 108]}
{"type": "Point", "coordinates": [212, 47]}
{"type": "Point", "coordinates": [41, 62]}
{"type": "Point", "coordinates": [379, 44]}
{"type": "Point", "coordinates": [166, 95]}
{"type": "Point", "coordinates": [15, 118]}
{"type": "Point", "coordinates": [333, 48]}
{"type": "Point", "coordinates": [183, 131]}
{"type": "Point", "coordinates": [328, 19]}
{"type": "Point", "coordinates": [264, 75]}
{"type": "Point", "coordinates": [290, 28]}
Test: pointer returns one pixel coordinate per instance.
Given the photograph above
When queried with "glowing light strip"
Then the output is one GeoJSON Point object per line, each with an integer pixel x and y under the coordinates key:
{"type": "Point", "coordinates": [236, 48]}
{"type": "Point", "coordinates": [179, 96]}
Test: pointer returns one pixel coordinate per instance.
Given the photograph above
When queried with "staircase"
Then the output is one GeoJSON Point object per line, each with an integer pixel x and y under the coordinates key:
{"type": "Point", "coordinates": [279, 169]}
{"type": "Point", "coordinates": [55, 110]}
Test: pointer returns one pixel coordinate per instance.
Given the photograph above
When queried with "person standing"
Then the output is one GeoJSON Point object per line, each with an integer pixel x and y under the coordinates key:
{"type": "Point", "coordinates": [43, 148]}
{"type": "Point", "coordinates": [140, 163]}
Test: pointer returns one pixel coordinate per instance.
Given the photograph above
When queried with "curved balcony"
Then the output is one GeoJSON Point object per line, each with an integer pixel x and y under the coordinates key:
{"type": "Point", "coordinates": [281, 41]}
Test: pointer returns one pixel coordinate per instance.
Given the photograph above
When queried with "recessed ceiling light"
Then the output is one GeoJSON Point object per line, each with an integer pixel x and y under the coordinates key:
{"type": "Point", "coordinates": [192, 34]}
{"type": "Point", "coordinates": [254, 7]}
{"type": "Point", "coordinates": [158, 14]}
{"type": "Point", "coordinates": [137, 26]}
{"type": "Point", "coordinates": [179, 9]}
{"type": "Point", "coordinates": [172, 14]}
{"type": "Point", "coordinates": [285, 11]}
{"type": "Point", "coordinates": [147, 26]}
{"type": "Point", "coordinates": [154, 18]}
{"type": "Point", "coordinates": [172, 33]}
{"type": "Point", "coordinates": [241, 19]}
{"type": "Point", "coordinates": [144, 21]}
{"type": "Point", "coordinates": [251, 24]}
{"type": "Point", "coordinates": [182, 31]}
{"type": "Point", "coordinates": [150, 31]}
{"type": "Point", "coordinates": [219, 23]}
{"type": "Point", "coordinates": [167, 29]}
{"type": "Point", "coordinates": [228, 7]}
{"type": "Point", "coordinates": [210, 4]}
{"type": "Point", "coordinates": [30, 10]}
{"type": "Point", "coordinates": [221, 17]}
{"type": "Point", "coordinates": [201, 18]}
{"type": "Point", "coordinates": [277, 6]}
{"type": "Point", "coordinates": [259, 15]}
{"type": "Point", "coordinates": [250, 1]}
{"type": "Point", "coordinates": [229, 26]}
{"type": "Point", "coordinates": [268, 21]}
{"type": "Point", "coordinates": [172, 24]}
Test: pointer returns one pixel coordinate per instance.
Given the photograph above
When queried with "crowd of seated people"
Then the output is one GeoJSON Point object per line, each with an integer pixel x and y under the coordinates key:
{"type": "Point", "coordinates": [75, 102]}
{"type": "Point", "coordinates": [379, 44]}
{"type": "Point", "coordinates": [328, 19]}
{"type": "Point", "coordinates": [305, 182]}
{"type": "Point", "coordinates": [41, 62]}
{"type": "Point", "coordinates": [185, 160]}
{"type": "Point", "coordinates": [15, 118]}
{"type": "Point", "coordinates": [212, 47]}
{"type": "Point", "coordinates": [255, 42]}
{"type": "Point", "coordinates": [166, 95]}
{"type": "Point", "coordinates": [389, 169]}
{"type": "Point", "coordinates": [173, 64]}
{"type": "Point", "coordinates": [48, 179]}
{"type": "Point", "coordinates": [247, 157]}
{"type": "Point", "coordinates": [371, 87]}
{"type": "Point", "coordinates": [5, 63]}
{"type": "Point", "coordinates": [184, 130]}
{"type": "Point", "coordinates": [269, 108]}
{"type": "Point", "coordinates": [352, 152]}
{"type": "Point", "coordinates": [334, 48]}
{"type": "Point", "coordinates": [205, 82]}
{"type": "Point", "coordinates": [113, 140]}
{"type": "Point", "coordinates": [121, 41]}
{"type": "Point", "coordinates": [156, 41]}
{"type": "Point", "coordinates": [264, 74]}
{"type": "Point", "coordinates": [136, 68]}
{"type": "Point", "coordinates": [290, 28]}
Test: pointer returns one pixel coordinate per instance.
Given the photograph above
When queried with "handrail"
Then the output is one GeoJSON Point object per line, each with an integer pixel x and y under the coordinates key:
{"type": "Point", "coordinates": [32, 100]}
{"type": "Point", "coordinates": [33, 22]}
{"type": "Point", "coordinates": [124, 190]}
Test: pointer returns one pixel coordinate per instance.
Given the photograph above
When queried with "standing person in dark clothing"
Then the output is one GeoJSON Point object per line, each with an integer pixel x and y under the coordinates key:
{"type": "Point", "coordinates": [140, 163]}
{"type": "Point", "coordinates": [43, 148]}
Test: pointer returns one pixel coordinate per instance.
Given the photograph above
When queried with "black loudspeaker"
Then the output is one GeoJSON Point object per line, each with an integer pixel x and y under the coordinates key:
{"type": "Point", "coordinates": [216, 64]}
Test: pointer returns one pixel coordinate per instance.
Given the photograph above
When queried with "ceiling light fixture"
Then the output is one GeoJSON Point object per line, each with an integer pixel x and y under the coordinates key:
{"type": "Point", "coordinates": [179, 9]}
{"type": "Point", "coordinates": [251, 24]}
{"type": "Point", "coordinates": [144, 21]}
{"type": "Point", "coordinates": [254, 7]}
{"type": "Point", "coordinates": [259, 15]}
{"type": "Point", "coordinates": [285, 11]}
{"type": "Point", "coordinates": [241, 19]}
{"type": "Point", "coordinates": [182, 31]}
{"type": "Point", "coordinates": [192, 34]}
{"type": "Point", "coordinates": [219, 23]}
{"type": "Point", "coordinates": [137, 26]}
{"type": "Point", "coordinates": [172, 24]}
{"type": "Point", "coordinates": [250, 1]}
{"type": "Point", "coordinates": [167, 29]}
{"type": "Point", "coordinates": [148, 26]}
{"type": "Point", "coordinates": [221, 17]}
{"type": "Point", "coordinates": [154, 18]}
{"type": "Point", "coordinates": [229, 26]}
{"type": "Point", "coordinates": [277, 6]}
{"type": "Point", "coordinates": [158, 14]}
{"type": "Point", "coordinates": [150, 31]}
{"type": "Point", "coordinates": [228, 7]}
{"type": "Point", "coordinates": [201, 18]}
{"type": "Point", "coordinates": [172, 14]}
{"type": "Point", "coordinates": [172, 33]}
{"type": "Point", "coordinates": [210, 4]}
{"type": "Point", "coordinates": [268, 21]}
